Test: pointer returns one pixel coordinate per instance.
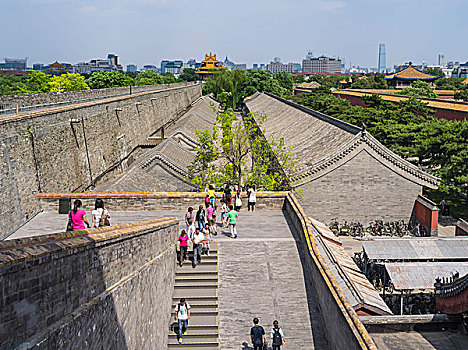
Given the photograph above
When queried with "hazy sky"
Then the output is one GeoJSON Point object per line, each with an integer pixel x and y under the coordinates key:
{"type": "Point", "coordinates": [254, 31]}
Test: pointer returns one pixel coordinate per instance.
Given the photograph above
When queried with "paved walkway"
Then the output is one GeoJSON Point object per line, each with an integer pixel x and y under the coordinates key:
{"type": "Point", "coordinates": [260, 275]}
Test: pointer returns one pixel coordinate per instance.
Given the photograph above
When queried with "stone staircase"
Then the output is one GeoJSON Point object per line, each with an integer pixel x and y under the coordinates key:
{"type": "Point", "coordinates": [199, 287]}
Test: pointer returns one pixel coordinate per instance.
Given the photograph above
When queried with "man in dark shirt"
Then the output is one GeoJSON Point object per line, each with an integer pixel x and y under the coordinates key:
{"type": "Point", "coordinates": [227, 195]}
{"type": "Point", "coordinates": [257, 334]}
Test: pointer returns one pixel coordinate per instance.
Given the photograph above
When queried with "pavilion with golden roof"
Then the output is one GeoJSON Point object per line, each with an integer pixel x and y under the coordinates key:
{"type": "Point", "coordinates": [406, 76]}
{"type": "Point", "coordinates": [208, 66]}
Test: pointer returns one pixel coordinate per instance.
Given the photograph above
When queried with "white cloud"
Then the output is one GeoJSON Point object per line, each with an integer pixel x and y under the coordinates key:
{"type": "Point", "coordinates": [88, 9]}
{"type": "Point", "coordinates": [332, 5]}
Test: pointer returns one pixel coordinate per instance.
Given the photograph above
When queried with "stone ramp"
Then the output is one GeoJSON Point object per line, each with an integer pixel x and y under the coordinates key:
{"type": "Point", "coordinates": [261, 275]}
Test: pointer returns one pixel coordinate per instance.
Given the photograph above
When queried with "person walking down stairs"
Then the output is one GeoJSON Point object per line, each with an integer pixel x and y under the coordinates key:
{"type": "Point", "coordinates": [182, 316]}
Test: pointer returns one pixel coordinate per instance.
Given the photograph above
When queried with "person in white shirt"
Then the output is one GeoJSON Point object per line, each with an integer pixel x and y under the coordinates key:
{"type": "Point", "coordinates": [252, 198]}
{"type": "Point", "coordinates": [277, 336]}
{"type": "Point", "coordinates": [224, 211]}
{"type": "Point", "coordinates": [198, 239]}
{"type": "Point", "coordinates": [98, 220]}
{"type": "Point", "coordinates": [182, 315]}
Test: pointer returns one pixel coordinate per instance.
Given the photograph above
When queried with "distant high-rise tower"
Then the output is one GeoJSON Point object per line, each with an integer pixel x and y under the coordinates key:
{"type": "Point", "coordinates": [382, 68]}
{"type": "Point", "coordinates": [442, 62]}
{"type": "Point", "coordinates": [309, 55]}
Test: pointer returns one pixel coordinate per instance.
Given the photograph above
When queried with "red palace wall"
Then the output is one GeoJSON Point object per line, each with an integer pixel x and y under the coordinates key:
{"type": "Point", "coordinates": [453, 305]}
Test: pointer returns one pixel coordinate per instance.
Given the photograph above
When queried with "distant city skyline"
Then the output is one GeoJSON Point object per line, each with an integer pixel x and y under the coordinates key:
{"type": "Point", "coordinates": [145, 32]}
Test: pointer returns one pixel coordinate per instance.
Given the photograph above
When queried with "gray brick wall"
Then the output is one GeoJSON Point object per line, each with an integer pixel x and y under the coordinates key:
{"type": "Point", "coordinates": [362, 189]}
{"type": "Point", "coordinates": [111, 294]}
{"type": "Point", "coordinates": [57, 148]}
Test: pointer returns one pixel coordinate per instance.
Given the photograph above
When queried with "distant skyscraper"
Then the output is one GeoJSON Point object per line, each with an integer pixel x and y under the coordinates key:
{"type": "Point", "coordinates": [442, 62]}
{"type": "Point", "coordinates": [382, 67]}
{"type": "Point", "coordinates": [309, 55]}
{"type": "Point", "coordinates": [276, 60]}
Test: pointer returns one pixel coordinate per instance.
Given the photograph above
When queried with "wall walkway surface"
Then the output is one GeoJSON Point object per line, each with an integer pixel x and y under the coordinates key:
{"type": "Point", "coordinates": [68, 148]}
{"type": "Point", "coordinates": [107, 288]}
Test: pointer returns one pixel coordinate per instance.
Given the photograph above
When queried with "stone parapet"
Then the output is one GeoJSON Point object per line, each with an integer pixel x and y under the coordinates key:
{"type": "Point", "coordinates": [135, 201]}
{"type": "Point", "coordinates": [104, 288]}
{"type": "Point", "coordinates": [344, 329]}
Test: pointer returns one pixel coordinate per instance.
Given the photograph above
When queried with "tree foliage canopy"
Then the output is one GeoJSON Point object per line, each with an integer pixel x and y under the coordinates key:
{"type": "Point", "coordinates": [235, 151]}
{"type": "Point", "coordinates": [408, 129]}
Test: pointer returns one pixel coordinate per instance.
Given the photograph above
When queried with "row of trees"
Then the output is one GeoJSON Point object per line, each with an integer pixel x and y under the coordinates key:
{"type": "Point", "coordinates": [409, 129]}
{"type": "Point", "coordinates": [40, 82]}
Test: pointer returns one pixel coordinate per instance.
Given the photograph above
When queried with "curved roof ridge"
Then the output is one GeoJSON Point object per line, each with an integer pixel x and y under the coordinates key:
{"type": "Point", "coordinates": [346, 150]}
{"type": "Point", "coordinates": [412, 70]}
{"type": "Point", "coordinates": [159, 155]}
{"type": "Point", "coordinates": [399, 161]}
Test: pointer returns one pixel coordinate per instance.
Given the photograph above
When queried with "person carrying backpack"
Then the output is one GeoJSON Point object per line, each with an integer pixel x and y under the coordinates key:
{"type": "Point", "coordinates": [257, 335]}
{"type": "Point", "coordinates": [277, 336]}
{"type": "Point", "coordinates": [182, 315]}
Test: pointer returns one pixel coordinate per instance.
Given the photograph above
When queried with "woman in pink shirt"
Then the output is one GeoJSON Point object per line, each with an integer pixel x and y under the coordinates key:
{"type": "Point", "coordinates": [78, 216]}
{"type": "Point", "coordinates": [183, 239]}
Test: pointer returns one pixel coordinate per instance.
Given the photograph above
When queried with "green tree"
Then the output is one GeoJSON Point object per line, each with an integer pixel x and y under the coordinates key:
{"type": "Point", "coordinates": [189, 75]}
{"type": "Point", "coordinates": [461, 95]}
{"type": "Point", "coordinates": [418, 88]}
{"type": "Point", "coordinates": [285, 80]}
{"type": "Point", "coordinates": [68, 82]}
{"type": "Point", "coordinates": [434, 71]}
{"type": "Point", "coordinates": [11, 84]}
{"type": "Point", "coordinates": [102, 80]}
{"type": "Point", "coordinates": [37, 82]}
{"type": "Point", "coordinates": [450, 84]}
{"type": "Point", "coordinates": [236, 152]}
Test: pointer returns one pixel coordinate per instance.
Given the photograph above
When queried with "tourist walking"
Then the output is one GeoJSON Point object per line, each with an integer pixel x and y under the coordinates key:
{"type": "Point", "coordinates": [183, 246]}
{"type": "Point", "coordinates": [227, 195]}
{"type": "Point", "coordinates": [277, 336]}
{"type": "Point", "coordinates": [232, 219]}
{"type": "Point", "coordinates": [182, 315]}
{"type": "Point", "coordinates": [190, 222]}
{"type": "Point", "coordinates": [77, 217]}
{"type": "Point", "coordinates": [197, 240]}
{"type": "Point", "coordinates": [208, 238]}
{"type": "Point", "coordinates": [257, 335]}
{"type": "Point", "coordinates": [210, 216]}
{"type": "Point", "coordinates": [99, 216]}
{"type": "Point", "coordinates": [238, 200]}
{"type": "Point", "coordinates": [252, 198]}
{"type": "Point", "coordinates": [224, 211]}
{"type": "Point", "coordinates": [212, 195]}
{"type": "Point", "coordinates": [200, 217]}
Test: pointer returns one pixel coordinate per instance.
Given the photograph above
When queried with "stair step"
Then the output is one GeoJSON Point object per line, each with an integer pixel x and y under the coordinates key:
{"type": "Point", "coordinates": [196, 272]}
{"type": "Point", "coordinates": [200, 307]}
{"type": "Point", "coordinates": [203, 318]}
{"type": "Point", "coordinates": [205, 266]}
{"type": "Point", "coordinates": [198, 300]}
{"type": "Point", "coordinates": [191, 290]}
{"type": "Point", "coordinates": [189, 338]}
{"type": "Point", "coordinates": [195, 281]}
{"type": "Point", "coordinates": [192, 345]}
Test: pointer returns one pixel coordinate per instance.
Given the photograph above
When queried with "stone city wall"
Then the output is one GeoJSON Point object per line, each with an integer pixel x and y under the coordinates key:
{"type": "Point", "coordinates": [10, 101]}
{"type": "Point", "coordinates": [154, 201]}
{"type": "Point", "coordinates": [108, 288]}
{"type": "Point", "coordinates": [67, 148]}
{"type": "Point", "coordinates": [342, 324]}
